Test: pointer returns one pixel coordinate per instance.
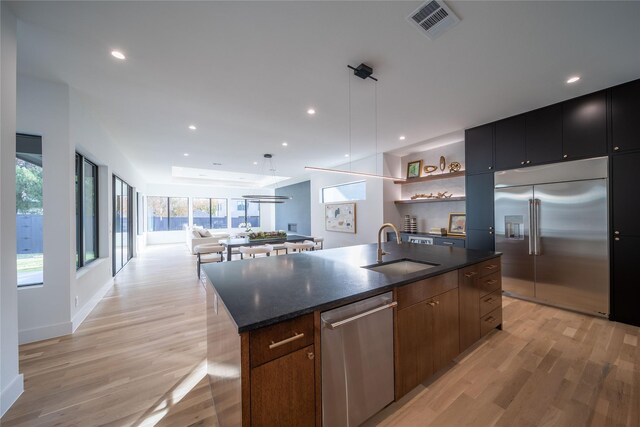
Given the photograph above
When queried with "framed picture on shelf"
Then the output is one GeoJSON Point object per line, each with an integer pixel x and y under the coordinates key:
{"type": "Point", "coordinates": [414, 168]}
{"type": "Point", "coordinates": [457, 224]}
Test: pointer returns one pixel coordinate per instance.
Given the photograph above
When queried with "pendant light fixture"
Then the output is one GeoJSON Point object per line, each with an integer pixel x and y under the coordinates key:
{"type": "Point", "coordinates": [364, 72]}
{"type": "Point", "coordinates": [265, 198]}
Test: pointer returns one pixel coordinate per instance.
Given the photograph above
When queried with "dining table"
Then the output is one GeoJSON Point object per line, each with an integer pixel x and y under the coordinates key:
{"type": "Point", "coordinates": [232, 243]}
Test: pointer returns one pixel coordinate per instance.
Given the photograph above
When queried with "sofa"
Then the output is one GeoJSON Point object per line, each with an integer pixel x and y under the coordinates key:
{"type": "Point", "coordinates": [199, 236]}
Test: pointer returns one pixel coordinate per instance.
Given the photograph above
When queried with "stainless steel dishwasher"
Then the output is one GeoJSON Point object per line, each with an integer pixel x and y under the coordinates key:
{"type": "Point", "coordinates": [357, 360]}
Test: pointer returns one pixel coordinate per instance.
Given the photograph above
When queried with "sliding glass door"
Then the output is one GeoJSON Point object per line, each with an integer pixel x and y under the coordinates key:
{"type": "Point", "coordinates": [122, 224]}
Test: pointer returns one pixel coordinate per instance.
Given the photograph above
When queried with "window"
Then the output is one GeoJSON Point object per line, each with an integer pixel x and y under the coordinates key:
{"type": "Point", "coordinates": [178, 213]}
{"type": "Point", "coordinates": [158, 213]}
{"type": "Point", "coordinates": [344, 192]}
{"type": "Point", "coordinates": [29, 209]}
{"type": "Point", "coordinates": [167, 213]}
{"type": "Point", "coordinates": [86, 211]}
{"type": "Point", "coordinates": [244, 218]}
{"type": "Point", "coordinates": [122, 224]}
{"type": "Point", "coordinates": [139, 213]}
{"type": "Point", "coordinates": [210, 213]}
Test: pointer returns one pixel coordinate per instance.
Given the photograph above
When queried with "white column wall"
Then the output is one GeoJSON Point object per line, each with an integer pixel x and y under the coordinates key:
{"type": "Point", "coordinates": [11, 381]}
{"type": "Point", "coordinates": [369, 212]}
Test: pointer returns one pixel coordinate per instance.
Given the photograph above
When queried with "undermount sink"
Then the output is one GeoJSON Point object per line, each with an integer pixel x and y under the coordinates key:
{"type": "Point", "coordinates": [400, 267]}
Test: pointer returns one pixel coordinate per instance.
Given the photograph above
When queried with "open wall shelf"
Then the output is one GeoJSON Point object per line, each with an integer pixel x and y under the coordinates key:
{"type": "Point", "coordinates": [431, 177]}
{"type": "Point", "coordinates": [407, 202]}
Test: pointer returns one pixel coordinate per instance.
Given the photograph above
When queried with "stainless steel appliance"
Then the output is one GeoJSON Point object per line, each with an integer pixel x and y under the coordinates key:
{"type": "Point", "coordinates": [421, 239]}
{"type": "Point", "coordinates": [551, 226]}
{"type": "Point", "coordinates": [357, 360]}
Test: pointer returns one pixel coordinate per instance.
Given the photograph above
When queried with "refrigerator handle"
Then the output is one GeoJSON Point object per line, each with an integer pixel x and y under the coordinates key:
{"type": "Point", "coordinates": [531, 227]}
{"type": "Point", "coordinates": [536, 220]}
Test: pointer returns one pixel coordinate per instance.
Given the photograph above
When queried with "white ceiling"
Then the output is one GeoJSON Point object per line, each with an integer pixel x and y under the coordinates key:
{"type": "Point", "coordinates": [246, 72]}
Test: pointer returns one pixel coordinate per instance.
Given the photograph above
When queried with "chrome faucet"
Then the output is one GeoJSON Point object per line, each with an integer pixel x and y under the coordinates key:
{"type": "Point", "coordinates": [380, 251]}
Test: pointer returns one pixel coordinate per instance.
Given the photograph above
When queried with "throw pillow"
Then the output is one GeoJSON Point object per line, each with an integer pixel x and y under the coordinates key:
{"type": "Point", "coordinates": [194, 233]}
{"type": "Point", "coordinates": [204, 233]}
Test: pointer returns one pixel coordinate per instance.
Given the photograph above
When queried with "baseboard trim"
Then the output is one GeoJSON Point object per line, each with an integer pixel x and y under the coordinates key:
{"type": "Point", "coordinates": [90, 305]}
{"type": "Point", "coordinates": [26, 336]}
{"type": "Point", "coordinates": [11, 393]}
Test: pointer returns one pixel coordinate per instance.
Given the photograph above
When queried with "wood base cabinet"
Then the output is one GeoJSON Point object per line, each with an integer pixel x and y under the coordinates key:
{"type": "Point", "coordinates": [283, 390]}
{"type": "Point", "coordinates": [480, 301]}
{"type": "Point", "coordinates": [427, 330]}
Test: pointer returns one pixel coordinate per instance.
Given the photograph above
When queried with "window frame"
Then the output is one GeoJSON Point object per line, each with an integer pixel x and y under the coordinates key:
{"type": "Point", "coordinates": [211, 199]}
{"type": "Point", "coordinates": [168, 200]}
{"type": "Point", "coordinates": [80, 230]}
{"type": "Point", "coordinates": [344, 184]}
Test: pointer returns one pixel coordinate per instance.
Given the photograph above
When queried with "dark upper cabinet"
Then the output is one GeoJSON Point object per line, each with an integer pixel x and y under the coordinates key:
{"type": "Point", "coordinates": [625, 176]}
{"type": "Point", "coordinates": [478, 149]}
{"type": "Point", "coordinates": [584, 126]}
{"type": "Point", "coordinates": [479, 201]}
{"type": "Point", "coordinates": [509, 143]}
{"type": "Point", "coordinates": [480, 239]}
{"type": "Point", "coordinates": [543, 135]}
{"type": "Point", "coordinates": [625, 117]}
{"type": "Point", "coordinates": [626, 292]}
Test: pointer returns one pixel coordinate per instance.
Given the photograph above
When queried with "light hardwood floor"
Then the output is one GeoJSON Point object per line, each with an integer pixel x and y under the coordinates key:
{"type": "Point", "coordinates": [138, 360]}
{"type": "Point", "coordinates": [133, 361]}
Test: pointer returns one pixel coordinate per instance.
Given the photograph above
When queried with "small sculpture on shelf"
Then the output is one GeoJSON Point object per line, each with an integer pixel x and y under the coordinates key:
{"type": "Point", "coordinates": [454, 167]}
{"type": "Point", "coordinates": [430, 168]}
{"type": "Point", "coordinates": [439, 195]}
{"type": "Point", "coordinates": [422, 196]}
{"type": "Point", "coordinates": [444, 195]}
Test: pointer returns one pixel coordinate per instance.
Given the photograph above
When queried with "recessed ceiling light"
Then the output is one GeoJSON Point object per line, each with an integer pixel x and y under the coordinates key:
{"type": "Point", "coordinates": [255, 163]}
{"type": "Point", "coordinates": [346, 155]}
{"type": "Point", "coordinates": [311, 111]}
{"type": "Point", "coordinates": [573, 79]}
{"type": "Point", "coordinates": [186, 154]}
{"type": "Point", "coordinates": [118, 54]}
{"type": "Point", "coordinates": [192, 127]}
{"type": "Point", "coordinates": [402, 138]}
{"type": "Point", "coordinates": [284, 144]}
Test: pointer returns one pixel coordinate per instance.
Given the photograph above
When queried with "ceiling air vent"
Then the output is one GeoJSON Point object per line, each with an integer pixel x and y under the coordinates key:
{"type": "Point", "coordinates": [433, 18]}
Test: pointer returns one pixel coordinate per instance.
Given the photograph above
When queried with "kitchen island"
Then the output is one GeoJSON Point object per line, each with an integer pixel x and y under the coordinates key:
{"type": "Point", "coordinates": [263, 315]}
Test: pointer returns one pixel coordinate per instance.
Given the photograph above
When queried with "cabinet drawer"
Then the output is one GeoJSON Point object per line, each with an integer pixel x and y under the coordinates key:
{"type": "Point", "coordinates": [490, 302]}
{"type": "Point", "coordinates": [488, 267]}
{"type": "Point", "coordinates": [490, 283]}
{"type": "Point", "coordinates": [489, 321]}
{"type": "Point", "coordinates": [275, 341]}
{"type": "Point", "coordinates": [439, 241]}
{"type": "Point", "coordinates": [421, 290]}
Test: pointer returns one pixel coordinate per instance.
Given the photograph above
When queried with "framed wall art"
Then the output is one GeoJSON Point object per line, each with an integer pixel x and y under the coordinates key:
{"type": "Point", "coordinates": [414, 168]}
{"type": "Point", "coordinates": [340, 217]}
{"type": "Point", "coordinates": [457, 224]}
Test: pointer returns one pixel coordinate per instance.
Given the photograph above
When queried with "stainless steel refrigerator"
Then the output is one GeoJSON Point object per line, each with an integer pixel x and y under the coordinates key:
{"type": "Point", "coordinates": [551, 226]}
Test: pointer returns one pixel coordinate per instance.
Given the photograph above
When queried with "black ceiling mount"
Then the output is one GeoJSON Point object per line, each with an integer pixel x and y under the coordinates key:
{"type": "Point", "coordinates": [363, 71]}
{"type": "Point", "coordinates": [268, 156]}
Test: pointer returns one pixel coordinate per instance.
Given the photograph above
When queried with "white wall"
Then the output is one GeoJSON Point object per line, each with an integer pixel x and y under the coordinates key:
{"type": "Point", "coordinates": [11, 381]}
{"type": "Point", "coordinates": [369, 212]}
{"type": "Point", "coordinates": [267, 211]}
{"type": "Point", "coordinates": [58, 114]}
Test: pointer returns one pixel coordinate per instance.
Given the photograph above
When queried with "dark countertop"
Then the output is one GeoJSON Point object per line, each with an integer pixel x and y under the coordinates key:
{"type": "Point", "coordinates": [263, 291]}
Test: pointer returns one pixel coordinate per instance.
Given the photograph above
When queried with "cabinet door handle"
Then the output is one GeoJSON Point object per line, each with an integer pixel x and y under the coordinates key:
{"type": "Point", "coordinates": [528, 161]}
{"type": "Point", "coordinates": [491, 282]}
{"type": "Point", "coordinates": [565, 156]}
{"type": "Point", "coordinates": [616, 148]}
{"type": "Point", "coordinates": [522, 163]}
{"type": "Point", "coordinates": [489, 300]}
{"type": "Point", "coordinates": [295, 336]}
{"type": "Point", "coordinates": [311, 356]}
{"type": "Point", "coordinates": [616, 239]}
{"type": "Point", "coordinates": [447, 243]}
{"type": "Point", "coordinates": [490, 167]}
{"type": "Point", "coordinates": [491, 267]}
{"type": "Point", "coordinates": [489, 319]}
{"type": "Point", "coordinates": [431, 303]}
{"type": "Point", "coordinates": [471, 274]}
{"type": "Point", "coordinates": [617, 233]}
